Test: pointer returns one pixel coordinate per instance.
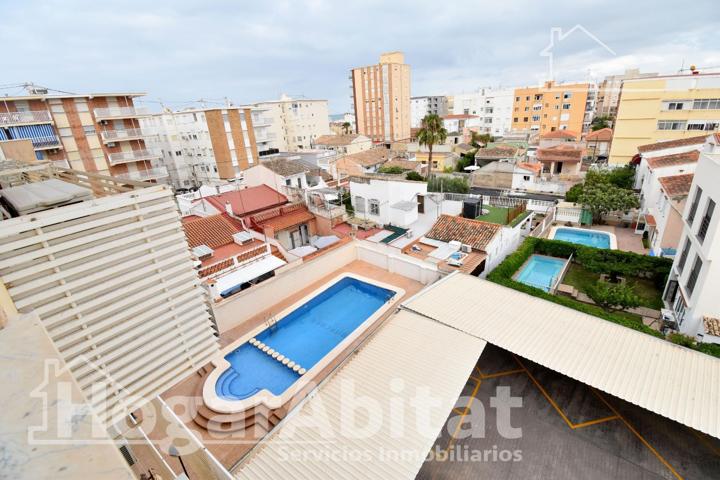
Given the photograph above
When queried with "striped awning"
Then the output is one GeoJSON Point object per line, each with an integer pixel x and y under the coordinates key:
{"type": "Point", "coordinates": [32, 131]}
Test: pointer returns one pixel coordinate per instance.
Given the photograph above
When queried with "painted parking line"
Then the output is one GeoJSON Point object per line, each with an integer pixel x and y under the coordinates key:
{"type": "Point", "coordinates": [595, 422]}
{"type": "Point", "coordinates": [703, 439]}
{"type": "Point", "coordinates": [453, 437]}
{"type": "Point", "coordinates": [502, 374]}
{"type": "Point", "coordinates": [637, 434]}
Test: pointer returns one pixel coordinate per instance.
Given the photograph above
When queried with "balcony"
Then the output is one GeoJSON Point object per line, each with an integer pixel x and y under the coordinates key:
{"type": "Point", "coordinates": [259, 121]}
{"type": "Point", "coordinates": [45, 143]}
{"type": "Point", "coordinates": [144, 175]}
{"type": "Point", "coordinates": [24, 118]}
{"type": "Point", "coordinates": [111, 136]}
{"type": "Point", "coordinates": [132, 156]}
{"type": "Point", "coordinates": [120, 112]}
{"type": "Point", "coordinates": [265, 138]}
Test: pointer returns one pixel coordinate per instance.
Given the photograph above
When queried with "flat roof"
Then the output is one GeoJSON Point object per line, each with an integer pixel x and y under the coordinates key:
{"type": "Point", "coordinates": [667, 379]}
{"type": "Point", "coordinates": [408, 353]}
{"type": "Point", "coordinates": [71, 95]}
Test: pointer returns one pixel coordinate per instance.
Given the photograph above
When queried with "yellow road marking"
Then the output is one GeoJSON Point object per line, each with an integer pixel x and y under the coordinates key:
{"type": "Point", "coordinates": [502, 374]}
{"type": "Point", "coordinates": [545, 394]}
{"type": "Point", "coordinates": [701, 436]}
{"type": "Point", "coordinates": [637, 434]}
{"type": "Point", "coordinates": [595, 422]}
{"type": "Point", "coordinates": [464, 414]}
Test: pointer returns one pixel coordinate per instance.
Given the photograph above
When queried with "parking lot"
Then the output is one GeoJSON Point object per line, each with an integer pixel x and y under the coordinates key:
{"type": "Point", "coordinates": [568, 431]}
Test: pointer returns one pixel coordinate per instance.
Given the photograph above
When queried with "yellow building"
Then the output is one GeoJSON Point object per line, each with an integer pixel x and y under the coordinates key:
{"type": "Point", "coordinates": [551, 107]}
{"type": "Point", "coordinates": [664, 108]}
{"type": "Point", "coordinates": [381, 96]}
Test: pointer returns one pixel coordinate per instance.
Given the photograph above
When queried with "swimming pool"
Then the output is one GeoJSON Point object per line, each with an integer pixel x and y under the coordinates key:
{"type": "Point", "coordinates": [583, 236]}
{"type": "Point", "coordinates": [541, 271]}
{"type": "Point", "coordinates": [276, 359]}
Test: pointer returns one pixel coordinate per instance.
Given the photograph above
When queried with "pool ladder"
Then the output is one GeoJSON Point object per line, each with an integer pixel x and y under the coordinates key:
{"type": "Point", "coordinates": [271, 322]}
{"type": "Point", "coordinates": [275, 355]}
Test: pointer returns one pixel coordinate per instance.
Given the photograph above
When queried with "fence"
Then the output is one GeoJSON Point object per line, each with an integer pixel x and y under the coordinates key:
{"type": "Point", "coordinates": [418, 270]}
{"type": "Point", "coordinates": [545, 224]}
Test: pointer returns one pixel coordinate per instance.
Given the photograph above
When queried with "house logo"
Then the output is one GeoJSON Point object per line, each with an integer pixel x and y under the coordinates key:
{"type": "Point", "coordinates": [558, 37]}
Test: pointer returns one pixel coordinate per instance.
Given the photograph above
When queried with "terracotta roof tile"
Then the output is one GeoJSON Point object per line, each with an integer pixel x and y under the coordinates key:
{"type": "Point", "coordinates": [284, 167]}
{"type": "Point", "coordinates": [475, 233]}
{"type": "Point", "coordinates": [213, 231]}
{"type": "Point", "coordinates": [673, 160]}
{"type": "Point", "coordinates": [559, 134]}
{"type": "Point", "coordinates": [534, 167]}
{"type": "Point", "coordinates": [249, 200]}
{"type": "Point", "coordinates": [283, 218]}
{"type": "Point", "coordinates": [498, 151]}
{"type": "Point", "coordinates": [602, 135]}
{"type": "Point", "coordinates": [676, 185]}
{"type": "Point", "coordinates": [336, 140]}
{"type": "Point", "coordinates": [680, 142]}
{"type": "Point", "coordinates": [559, 153]}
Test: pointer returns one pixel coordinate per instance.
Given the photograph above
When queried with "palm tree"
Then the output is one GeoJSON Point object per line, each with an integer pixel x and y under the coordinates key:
{"type": "Point", "coordinates": [431, 133]}
{"type": "Point", "coordinates": [346, 127]}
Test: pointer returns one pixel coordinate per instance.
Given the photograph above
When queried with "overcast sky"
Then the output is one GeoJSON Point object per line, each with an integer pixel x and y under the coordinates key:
{"type": "Point", "coordinates": [179, 51]}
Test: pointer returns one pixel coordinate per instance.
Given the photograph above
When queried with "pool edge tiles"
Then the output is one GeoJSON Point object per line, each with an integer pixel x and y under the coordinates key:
{"type": "Point", "coordinates": [612, 238]}
{"type": "Point", "coordinates": [218, 403]}
{"type": "Point", "coordinates": [561, 262]}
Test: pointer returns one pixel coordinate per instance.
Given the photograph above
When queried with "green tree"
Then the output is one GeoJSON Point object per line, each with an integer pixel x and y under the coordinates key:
{"type": "Point", "coordinates": [346, 127]}
{"type": "Point", "coordinates": [600, 122]}
{"type": "Point", "coordinates": [392, 170]}
{"type": "Point", "coordinates": [414, 176]}
{"type": "Point", "coordinates": [604, 198]}
{"type": "Point", "coordinates": [448, 184]}
{"type": "Point", "coordinates": [431, 133]}
{"type": "Point", "coordinates": [477, 138]}
{"type": "Point", "coordinates": [573, 193]}
{"type": "Point", "coordinates": [611, 296]}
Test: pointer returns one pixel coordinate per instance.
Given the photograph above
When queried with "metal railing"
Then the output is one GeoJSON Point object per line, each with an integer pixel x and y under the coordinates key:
{"type": "Point", "coordinates": [124, 134]}
{"type": "Point", "coordinates": [145, 175]}
{"type": "Point", "coordinates": [261, 120]}
{"type": "Point", "coordinates": [120, 112]}
{"type": "Point", "coordinates": [133, 156]}
{"type": "Point", "coordinates": [45, 142]}
{"type": "Point", "coordinates": [15, 118]}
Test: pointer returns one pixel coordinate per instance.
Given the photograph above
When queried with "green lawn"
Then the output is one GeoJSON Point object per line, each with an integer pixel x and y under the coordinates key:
{"type": "Point", "coordinates": [494, 215]}
{"type": "Point", "coordinates": [582, 279]}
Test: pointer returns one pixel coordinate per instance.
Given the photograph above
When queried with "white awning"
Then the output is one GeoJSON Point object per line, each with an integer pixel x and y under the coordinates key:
{"type": "Point", "coordinates": [303, 250]}
{"type": "Point", "coordinates": [247, 272]}
{"type": "Point", "coordinates": [673, 381]}
{"type": "Point", "coordinates": [408, 353]}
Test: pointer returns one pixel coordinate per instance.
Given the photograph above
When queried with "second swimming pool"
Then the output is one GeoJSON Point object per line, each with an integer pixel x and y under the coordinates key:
{"type": "Point", "coordinates": [541, 271]}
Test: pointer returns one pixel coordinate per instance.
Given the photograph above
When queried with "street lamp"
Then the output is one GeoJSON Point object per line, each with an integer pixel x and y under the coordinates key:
{"type": "Point", "coordinates": [174, 453]}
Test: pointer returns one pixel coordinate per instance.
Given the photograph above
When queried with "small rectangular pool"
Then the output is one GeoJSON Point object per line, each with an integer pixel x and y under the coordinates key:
{"type": "Point", "coordinates": [541, 271]}
{"type": "Point", "coordinates": [583, 236]}
{"type": "Point", "coordinates": [301, 338]}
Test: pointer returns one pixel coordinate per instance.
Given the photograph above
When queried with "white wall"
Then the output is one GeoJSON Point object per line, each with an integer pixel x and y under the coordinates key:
{"type": "Point", "coordinates": [493, 105]}
{"type": "Point", "coordinates": [387, 192]}
{"type": "Point", "coordinates": [404, 265]}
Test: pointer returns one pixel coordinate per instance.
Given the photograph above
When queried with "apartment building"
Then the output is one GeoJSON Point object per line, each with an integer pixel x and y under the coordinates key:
{"type": "Point", "coordinates": [550, 107]}
{"type": "Point", "coordinates": [609, 91]}
{"type": "Point", "coordinates": [293, 124]}
{"type": "Point", "coordinates": [207, 145]}
{"type": "Point", "coordinates": [494, 107]}
{"type": "Point", "coordinates": [105, 266]}
{"type": "Point", "coordinates": [692, 289]}
{"type": "Point", "coordinates": [381, 98]}
{"type": "Point", "coordinates": [421, 106]}
{"type": "Point", "coordinates": [95, 132]}
{"type": "Point", "coordinates": [664, 108]}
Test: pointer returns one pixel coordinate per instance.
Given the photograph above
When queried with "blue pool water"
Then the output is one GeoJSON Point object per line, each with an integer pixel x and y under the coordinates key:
{"type": "Point", "coordinates": [541, 272]}
{"type": "Point", "coordinates": [304, 336]}
{"type": "Point", "coordinates": [588, 238]}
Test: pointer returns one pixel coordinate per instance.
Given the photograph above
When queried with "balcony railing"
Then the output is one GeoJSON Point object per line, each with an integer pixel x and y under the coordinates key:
{"type": "Point", "coordinates": [133, 156]}
{"type": "Point", "coordinates": [40, 143]}
{"type": "Point", "coordinates": [261, 120]}
{"type": "Point", "coordinates": [120, 112]}
{"type": "Point", "coordinates": [265, 137]}
{"type": "Point", "coordinates": [145, 175]}
{"type": "Point", "coordinates": [121, 135]}
{"type": "Point", "coordinates": [19, 118]}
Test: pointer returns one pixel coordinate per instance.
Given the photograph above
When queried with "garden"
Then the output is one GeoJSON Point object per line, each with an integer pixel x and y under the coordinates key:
{"type": "Point", "coordinates": [615, 281]}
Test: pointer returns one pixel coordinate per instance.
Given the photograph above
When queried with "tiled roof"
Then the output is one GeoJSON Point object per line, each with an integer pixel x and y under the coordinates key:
{"type": "Point", "coordinates": [371, 157]}
{"type": "Point", "coordinates": [559, 153]}
{"type": "Point", "coordinates": [249, 200]}
{"type": "Point", "coordinates": [676, 185]}
{"type": "Point", "coordinates": [535, 167]}
{"type": "Point", "coordinates": [712, 326]}
{"type": "Point", "coordinates": [283, 217]}
{"type": "Point", "coordinates": [559, 134]}
{"type": "Point", "coordinates": [213, 231]}
{"type": "Point", "coordinates": [680, 142]}
{"type": "Point", "coordinates": [475, 233]}
{"type": "Point", "coordinates": [284, 166]}
{"type": "Point", "coordinates": [498, 151]}
{"type": "Point", "coordinates": [673, 160]}
{"type": "Point", "coordinates": [458, 116]}
{"type": "Point", "coordinates": [336, 140]}
{"type": "Point", "coordinates": [404, 164]}
{"type": "Point", "coordinates": [602, 135]}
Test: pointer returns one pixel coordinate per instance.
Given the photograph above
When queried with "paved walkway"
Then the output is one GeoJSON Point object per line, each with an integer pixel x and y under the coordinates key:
{"type": "Point", "coordinates": [627, 239]}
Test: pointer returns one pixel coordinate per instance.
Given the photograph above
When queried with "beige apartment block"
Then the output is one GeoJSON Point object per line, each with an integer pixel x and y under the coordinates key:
{"type": "Point", "coordinates": [94, 132]}
{"type": "Point", "coordinates": [381, 97]}
{"type": "Point", "coordinates": [609, 91]}
{"type": "Point", "coordinates": [293, 123]}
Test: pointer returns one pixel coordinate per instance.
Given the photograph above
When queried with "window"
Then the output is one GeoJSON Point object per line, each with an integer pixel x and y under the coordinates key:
{"type": "Point", "coordinates": [694, 274]}
{"type": "Point", "coordinates": [536, 118]}
{"type": "Point", "coordinates": [671, 125]}
{"type": "Point", "coordinates": [89, 129]}
{"type": "Point", "coordinates": [525, 119]}
{"type": "Point", "coordinates": [707, 218]}
{"type": "Point", "coordinates": [694, 206]}
{"type": "Point", "coordinates": [526, 178]}
{"type": "Point", "coordinates": [65, 132]}
{"type": "Point", "coordinates": [178, 153]}
{"type": "Point", "coordinates": [566, 106]}
{"type": "Point", "coordinates": [374, 207]}
{"type": "Point", "coordinates": [684, 255]}
{"type": "Point", "coordinates": [675, 104]}
{"type": "Point", "coordinates": [707, 104]}
{"type": "Point", "coordinates": [359, 204]}
{"type": "Point", "coordinates": [703, 125]}
{"type": "Point", "coordinates": [288, 181]}
{"type": "Point", "coordinates": [515, 119]}
{"type": "Point", "coordinates": [538, 96]}
{"type": "Point", "coordinates": [567, 95]}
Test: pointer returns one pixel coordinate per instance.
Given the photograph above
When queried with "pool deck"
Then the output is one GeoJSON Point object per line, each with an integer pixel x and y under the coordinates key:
{"type": "Point", "coordinates": [228, 452]}
{"type": "Point", "coordinates": [627, 240]}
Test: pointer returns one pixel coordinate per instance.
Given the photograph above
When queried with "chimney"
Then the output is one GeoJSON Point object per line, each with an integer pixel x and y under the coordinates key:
{"type": "Point", "coordinates": [228, 208]}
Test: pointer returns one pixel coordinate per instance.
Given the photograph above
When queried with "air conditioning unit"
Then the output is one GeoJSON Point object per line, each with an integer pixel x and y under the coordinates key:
{"type": "Point", "coordinates": [241, 238]}
{"type": "Point", "coordinates": [104, 122]}
{"type": "Point", "coordinates": [110, 144]}
{"type": "Point", "coordinates": [668, 318]}
{"type": "Point", "coordinates": [465, 248]}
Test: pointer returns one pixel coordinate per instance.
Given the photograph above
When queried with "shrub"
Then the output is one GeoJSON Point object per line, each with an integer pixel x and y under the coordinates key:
{"type": "Point", "coordinates": [573, 193]}
{"type": "Point", "coordinates": [391, 170]}
{"type": "Point", "coordinates": [414, 176]}
{"type": "Point", "coordinates": [613, 295]}
{"type": "Point", "coordinates": [448, 184]}
{"type": "Point", "coordinates": [680, 339]}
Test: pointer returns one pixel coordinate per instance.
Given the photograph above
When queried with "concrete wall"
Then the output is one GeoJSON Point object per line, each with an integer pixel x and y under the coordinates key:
{"type": "Point", "coordinates": [418, 270]}
{"type": "Point", "coordinates": [19, 150]}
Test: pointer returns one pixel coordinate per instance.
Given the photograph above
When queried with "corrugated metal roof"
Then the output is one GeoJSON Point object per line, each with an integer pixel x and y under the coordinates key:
{"type": "Point", "coordinates": [672, 381]}
{"type": "Point", "coordinates": [409, 348]}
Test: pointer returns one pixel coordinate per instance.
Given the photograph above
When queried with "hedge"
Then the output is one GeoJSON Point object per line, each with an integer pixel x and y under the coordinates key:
{"type": "Point", "coordinates": [601, 261]}
{"type": "Point", "coordinates": [504, 272]}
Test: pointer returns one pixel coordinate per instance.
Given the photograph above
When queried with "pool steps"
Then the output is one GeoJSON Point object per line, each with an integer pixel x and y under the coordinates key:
{"type": "Point", "coordinates": [295, 367]}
